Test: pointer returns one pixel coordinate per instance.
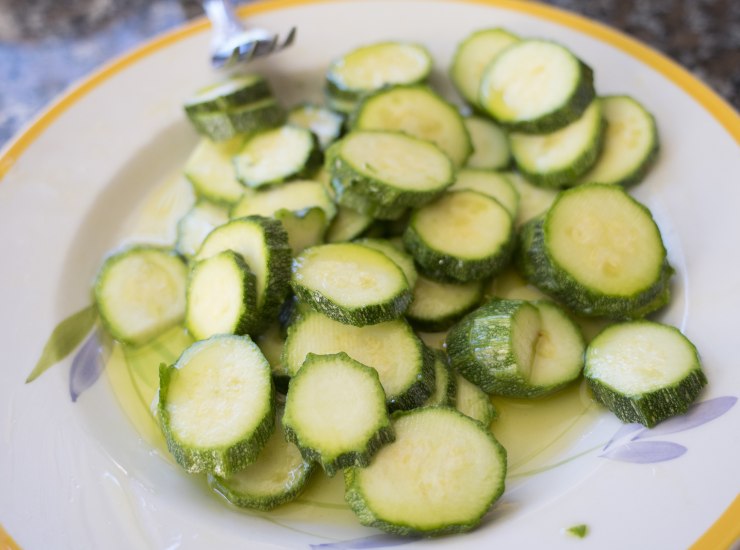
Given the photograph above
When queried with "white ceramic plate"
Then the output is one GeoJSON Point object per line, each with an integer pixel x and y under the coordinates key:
{"type": "Point", "coordinates": [83, 475]}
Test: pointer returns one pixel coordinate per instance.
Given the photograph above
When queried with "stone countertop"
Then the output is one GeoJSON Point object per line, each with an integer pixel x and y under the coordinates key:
{"type": "Point", "coordinates": [45, 45]}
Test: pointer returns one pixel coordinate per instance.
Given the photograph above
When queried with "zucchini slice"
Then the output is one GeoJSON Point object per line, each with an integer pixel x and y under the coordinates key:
{"type": "Point", "coordinates": [196, 224]}
{"type": "Point", "coordinates": [263, 243]}
{"type": "Point", "coordinates": [351, 283]}
{"type": "Point", "coordinates": [348, 224]}
{"type": "Point", "coordinates": [353, 198]}
{"type": "Point", "coordinates": [397, 254]}
{"type": "Point", "coordinates": [444, 383]}
{"type": "Point", "coordinates": [221, 297]}
{"type": "Point", "coordinates": [517, 348]}
{"type": "Point", "coordinates": [443, 472]}
{"type": "Point", "coordinates": [293, 196]}
{"type": "Point", "coordinates": [240, 120]}
{"type": "Point", "coordinates": [276, 155]}
{"type": "Point", "coordinates": [325, 124]}
{"type": "Point", "coordinates": [232, 92]}
{"type": "Point", "coordinates": [404, 364]}
{"type": "Point", "coordinates": [279, 475]}
{"type": "Point", "coordinates": [491, 150]}
{"type": "Point", "coordinates": [462, 236]}
{"type": "Point", "coordinates": [388, 168]}
{"type": "Point", "coordinates": [472, 401]}
{"type": "Point", "coordinates": [536, 86]}
{"type": "Point", "coordinates": [375, 66]}
{"type": "Point", "coordinates": [644, 371]}
{"type": "Point", "coordinates": [140, 293]}
{"type": "Point", "coordinates": [211, 172]}
{"type": "Point", "coordinates": [217, 405]}
{"type": "Point", "coordinates": [599, 252]}
{"type": "Point", "coordinates": [420, 112]}
{"type": "Point", "coordinates": [471, 58]}
{"type": "Point", "coordinates": [436, 306]}
{"type": "Point", "coordinates": [494, 184]}
{"type": "Point", "coordinates": [560, 157]}
{"type": "Point", "coordinates": [335, 412]}
{"type": "Point", "coordinates": [630, 143]}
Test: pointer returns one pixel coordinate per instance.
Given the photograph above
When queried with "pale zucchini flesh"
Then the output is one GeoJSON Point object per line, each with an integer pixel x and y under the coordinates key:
{"type": "Point", "coordinates": [472, 401]}
{"type": "Point", "coordinates": [494, 184]}
{"type": "Point", "coordinates": [325, 124]}
{"type": "Point", "coordinates": [644, 371]}
{"type": "Point", "coordinates": [396, 253]}
{"type": "Point", "coordinates": [140, 293]}
{"type": "Point", "coordinates": [404, 364]}
{"type": "Point", "coordinates": [420, 112]}
{"type": "Point", "coordinates": [491, 149]}
{"type": "Point", "coordinates": [211, 172]}
{"type": "Point", "coordinates": [335, 412]}
{"type": "Point", "coordinates": [351, 283]}
{"type": "Point", "coordinates": [436, 306]}
{"type": "Point", "coordinates": [196, 224]}
{"type": "Point", "coordinates": [445, 383]}
{"type": "Point", "coordinates": [443, 472]}
{"type": "Point", "coordinates": [216, 405]}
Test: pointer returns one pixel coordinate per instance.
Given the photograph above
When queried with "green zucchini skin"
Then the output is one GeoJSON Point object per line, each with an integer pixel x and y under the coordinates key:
{"type": "Point", "coordinates": [534, 263]}
{"type": "Point", "coordinates": [245, 89]}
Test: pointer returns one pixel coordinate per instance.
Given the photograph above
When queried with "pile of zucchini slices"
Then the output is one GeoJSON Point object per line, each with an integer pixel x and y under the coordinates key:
{"type": "Point", "coordinates": [340, 275]}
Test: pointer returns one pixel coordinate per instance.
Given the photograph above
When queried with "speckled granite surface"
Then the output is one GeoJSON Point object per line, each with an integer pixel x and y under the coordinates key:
{"type": "Point", "coordinates": [47, 44]}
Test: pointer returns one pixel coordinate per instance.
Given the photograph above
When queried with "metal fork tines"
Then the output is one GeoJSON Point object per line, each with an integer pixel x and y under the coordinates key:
{"type": "Point", "coordinates": [233, 43]}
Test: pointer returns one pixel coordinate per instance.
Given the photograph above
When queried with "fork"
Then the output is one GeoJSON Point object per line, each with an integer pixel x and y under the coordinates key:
{"type": "Point", "coordinates": [232, 43]}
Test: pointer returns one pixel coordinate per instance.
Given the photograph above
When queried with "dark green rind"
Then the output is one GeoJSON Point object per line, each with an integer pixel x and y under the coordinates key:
{"type": "Point", "coordinates": [535, 265]}
{"type": "Point", "coordinates": [480, 348]}
{"type": "Point", "coordinates": [222, 461]}
{"type": "Point", "coordinates": [455, 312]}
{"type": "Point", "coordinates": [484, 412]}
{"type": "Point", "coordinates": [313, 159]}
{"type": "Point", "coordinates": [444, 383]}
{"type": "Point", "coordinates": [365, 204]}
{"type": "Point", "coordinates": [644, 166]}
{"type": "Point", "coordinates": [252, 117]}
{"type": "Point", "coordinates": [345, 178]}
{"type": "Point", "coordinates": [382, 434]}
{"type": "Point", "coordinates": [567, 176]}
{"type": "Point", "coordinates": [250, 92]}
{"type": "Point", "coordinates": [423, 386]}
{"type": "Point", "coordinates": [650, 408]}
{"type": "Point", "coordinates": [248, 318]}
{"type": "Point", "coordinates": [357, 501]}
{"type": "Point", "coordinates": [100, 281]}
{"type": "Point", "coordinates": [448, 268]}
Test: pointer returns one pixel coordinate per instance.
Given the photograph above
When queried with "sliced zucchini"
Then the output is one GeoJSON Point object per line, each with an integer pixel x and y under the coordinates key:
{"type": "Point", "coordinates": [396, 253]}
{"type": "Point", "coordinates": [462, 236]}
{"type": "Point", "coordinates": [517, 348]}
{"type": "Point", "coordinates": [436, 306]}
{"type": "Point", "coordinates": [279, 475]}
{"type": "Point", "coordinates": [491, 149]}
{"type": "Point", "coordinates": [558, 159]}
{"type": "Point", "coordinates": [263, 243]}
{"type": "Point", "coordinates": [444, 383]}
{"type": "Point", "coordinates": [644, 371]}
{"type": "Point", "coordinates": [473, 402]}
{"type": "Point", "coordinates": [599, 252]}
{"type": "Point", "coordinates": [340, 105]}
{"type": "Point", "coordinates": [388, 168]}
{"type": "Point", "coordinates": [221, 297]}
{"type": "Point", "coordinates": [293, 196]}
{"type": "Point", "coordinates": [351, 283]}
{"type": "Point", "coordinates": [353, 198]}
{"type": "Point", "coordinates": [305, 228]}
{"type": "Point", "coordinates": [325, 124]}
{"type": "Point", "coordinates": [210, 170]}
{"type": "Point", "coordinates": [493, 184]}
{"type": "Point", "coordinates": [533, 199]}
{"type": "Point", "coordinates": [471, 58]}
{"type": "Point", "coordinates": [630, 143]}
{"type": "Point", "coordinates": [276, 155]}
{"type": "Point", "coordinates": [348, 224]}
{"type": "Point", "coordinates": [536, 86]}
{"type": "Point", "coordinates": [376, 66]}
{"type": "Point", "coordinates": [140, 293]}
{"type": "Point", "coordinates": [335, 412]}
{"type": "Point", "coordinates": [196, 224]}
{"type": "Point", "coordinates": [271, 342]}
{"type": "Point", "coordinates": [232, 92]}
{"type": "Point", "coordinates": [237, 121]}
{"type": "Point", "coordinates": [404, 364]}
{"type": "Point", "coordinates": [420, 112]}
{"type": "Point", "coordinates": [216, 405]}
{"type": "Point", "coordinates": [441, 475]}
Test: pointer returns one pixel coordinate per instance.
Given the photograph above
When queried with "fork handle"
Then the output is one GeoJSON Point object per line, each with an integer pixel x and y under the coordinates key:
{"type": "Point", "coordinates": [223, 17]}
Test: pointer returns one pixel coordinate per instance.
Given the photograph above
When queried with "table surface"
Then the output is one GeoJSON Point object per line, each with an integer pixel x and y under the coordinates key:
{"type": "Point", "coordinates": [46, 45]}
